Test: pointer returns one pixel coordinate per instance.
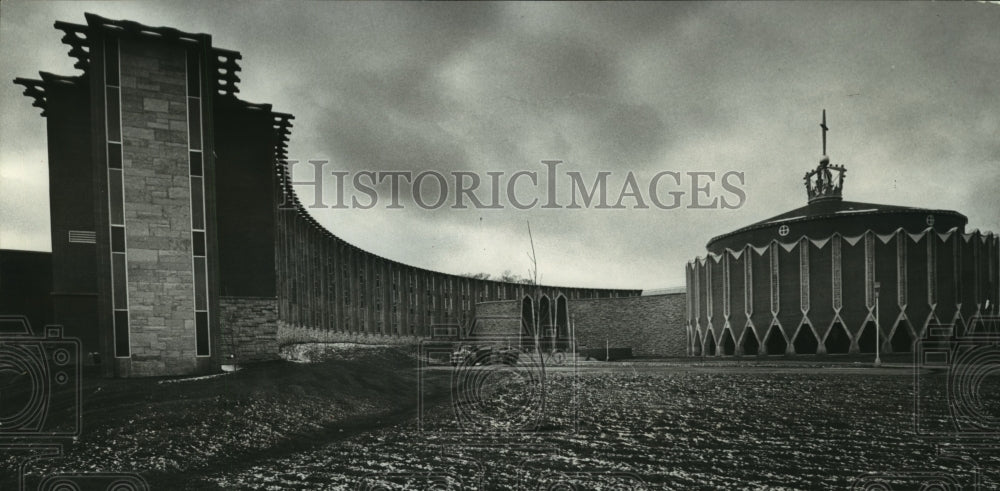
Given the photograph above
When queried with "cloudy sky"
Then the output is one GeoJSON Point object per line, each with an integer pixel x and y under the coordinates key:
{"type": "Point", "coordinates": [912, 93]}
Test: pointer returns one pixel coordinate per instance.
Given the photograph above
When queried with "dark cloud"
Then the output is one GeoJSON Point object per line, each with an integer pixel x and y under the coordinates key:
{"type": "Point", "coordinates": [910, 90]}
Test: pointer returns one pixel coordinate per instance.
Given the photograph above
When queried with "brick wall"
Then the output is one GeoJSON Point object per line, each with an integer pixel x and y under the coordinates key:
{"type": "Point", "coordinates": [497, 319]}
{"type": "Point", "coordinates": [502, 308]}
{"type": "Point", "coordinates": [651, 326]}
{"type": "Point", "coordinates": [249, 328]}
{"type": "Point", "coordinates": [289, 335]}
{"type": "Point", "coordinates": [157, 208]}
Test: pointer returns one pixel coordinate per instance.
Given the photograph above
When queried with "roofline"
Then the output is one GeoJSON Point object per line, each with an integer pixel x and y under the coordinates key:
{"type": "Point", "coordinates": [766, 224]}
{"type": "Point", "coordinates": [986, 234]}
{"type": "Point", "coordinates": [21, 251]}
{"type": "Point", "coordinates": [133, 27]}
{"type": "Point", "coordinates": [223, 68]}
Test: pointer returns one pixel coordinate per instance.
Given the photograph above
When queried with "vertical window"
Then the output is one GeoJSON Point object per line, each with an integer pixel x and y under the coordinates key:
{"type": "Point", "coordinates": [118, 276]}
{"type": "Point", "coordinates": [199, 244]}
{"type": "Point", "coordinates": [116, 194]}
{"type": "Point", "coordinates": [114, 155]}
{"type": "Point", "coordinates": [118, 239]}
{"type": "Point", "coordinates": [111, 61]}
{"type": "Point", "coordinates": [200, 288]}
{"type": "Point", "coordinates": [199, 248]}
{"type": "Point", "coordinates": [195, 163]}
{"type": "Point", "coordinates": [197, 204]}
{"type": "Point", "coordinates": [201, 331]}
{"type": "Point", "coordinates": [122, 347]}
{"type": "Point", "coordinates": [116, 199]}
{"type": "Point", "coordinates": [112, 97]}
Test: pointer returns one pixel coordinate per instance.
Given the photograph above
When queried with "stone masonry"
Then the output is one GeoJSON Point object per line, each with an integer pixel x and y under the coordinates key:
{"type": "Point", "coordinates": [157, 208]}
{"type": "Point", "coordinates": [150, 137]}
{"type": "Point", "coordinates": [650, 325]}
{"type": "Point", "coordinates": [249, 329]}
{"type": "Point", "coordinates": [500, 319]}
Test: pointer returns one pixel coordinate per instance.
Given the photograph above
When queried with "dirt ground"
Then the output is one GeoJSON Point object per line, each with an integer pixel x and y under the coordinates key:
{"type": "Point", "coordinates": [382, 419]}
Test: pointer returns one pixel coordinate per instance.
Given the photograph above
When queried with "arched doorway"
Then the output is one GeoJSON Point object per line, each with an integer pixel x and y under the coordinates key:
{"type": "Point", "coordinates": [902, 341]}
{"type": "Point", "coordinates": [528, 323]}
{"type": "Point", "coordinates": [866, 341]}
{"type": "Point", "coordinates": [710, 343]}
{"type": "Point", "coordinates": [728, 343]}
{"type": "Point", "coordinates": [805, 341]}
{"type": "Point", "coordinates": [775, 342]}
{"type": "Point", "coordinates": [547, 331]}
{"type": "Point", "coordinates": [563, 340]}
{"type": "Point", "coordinates": [750, 343]}
{"type": "Point", "coordinates": [837, 342]}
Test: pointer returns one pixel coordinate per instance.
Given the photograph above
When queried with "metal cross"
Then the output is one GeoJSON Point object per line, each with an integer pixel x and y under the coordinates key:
{"type": "Point", "coordinates": [825, 129]}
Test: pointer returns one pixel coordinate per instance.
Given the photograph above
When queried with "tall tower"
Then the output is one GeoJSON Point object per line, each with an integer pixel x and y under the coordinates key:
{"type": "Point", "coordinates": [135, 195]}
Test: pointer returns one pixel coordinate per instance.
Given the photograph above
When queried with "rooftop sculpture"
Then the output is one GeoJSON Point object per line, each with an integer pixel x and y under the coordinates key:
{"type": "Point", "coordinates": [820, 182]}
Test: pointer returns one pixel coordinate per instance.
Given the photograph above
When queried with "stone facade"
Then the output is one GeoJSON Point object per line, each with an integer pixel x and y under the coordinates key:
{"type": "Point", "coordinates": [651, 325]}
{"type": "Point", "coordinates": [499, 309]}
{"type": "Point", "coordinates": [648, 325]}
{"type": "Point", "coordinates": [249, 329]}
{"type": "Point", "coordinates": [157, 208]}
{"type": "Point", "coordinates": [327, 283]}
{"type": "Point", "coordinates": [188, 198]}
{"type": "Point", "coordinates": [500, 319]}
